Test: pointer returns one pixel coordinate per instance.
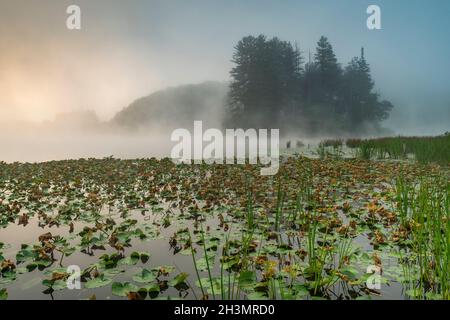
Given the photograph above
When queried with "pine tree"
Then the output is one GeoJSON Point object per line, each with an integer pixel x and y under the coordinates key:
{"type": "Point", "coordinates": [265, 82]}
{"type": "Point", "coordinates": [329, 72]}
{"type": "Point", "coordinates": [361, 104]}
{"type": "Point", "coordinates": [270, 88]}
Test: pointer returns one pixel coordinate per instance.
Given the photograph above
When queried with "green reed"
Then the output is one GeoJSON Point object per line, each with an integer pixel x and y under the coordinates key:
{"type": "Point", "coordinates": [426, 209]}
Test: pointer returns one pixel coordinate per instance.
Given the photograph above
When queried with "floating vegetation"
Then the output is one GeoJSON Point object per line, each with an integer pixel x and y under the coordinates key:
{"type": "Point", "coordinates": [150, 229]}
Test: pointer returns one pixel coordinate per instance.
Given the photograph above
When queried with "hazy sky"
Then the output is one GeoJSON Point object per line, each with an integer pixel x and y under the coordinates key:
{"type": "Point", "coordinates": [127, 49]}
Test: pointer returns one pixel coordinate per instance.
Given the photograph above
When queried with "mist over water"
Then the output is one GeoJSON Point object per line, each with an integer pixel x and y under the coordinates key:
{"type": "Point", "coordinates": [421, 118]}
{"type": "Point", "coordinates": [141, 130]}
{"type": "Point", "coordinates": [67, 137]}
{"type": "Point", "coordinates": [49, 146]}
{"type": "Point", "coordinates": [125, 51]}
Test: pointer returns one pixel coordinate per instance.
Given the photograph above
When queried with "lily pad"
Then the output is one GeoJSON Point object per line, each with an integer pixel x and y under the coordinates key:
{"type": "Point", "coordinates": [122, 289]}
{"type": "Point", "coordinates": [145, 276]}
{"type": "Point", "coordinates": [257, 296]}
{"type": "Point", "coordinates": [3, 294]}
{"type": "Point", "coordinates": [179, 279]}
{"type": "Point", "coordinates": [98, 282]}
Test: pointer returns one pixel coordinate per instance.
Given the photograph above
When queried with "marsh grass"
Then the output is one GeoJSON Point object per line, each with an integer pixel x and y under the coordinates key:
{"type": "Point", "coordinates": [424, 149]}
{"type": "Point", "coordinates": [425, 211]}
{"type": "Point", "coordinates": [335, 143]}
{"type": "Point", "coordinates": [331, 148]}
{"type": "Point", "coordinates": [366, 150]}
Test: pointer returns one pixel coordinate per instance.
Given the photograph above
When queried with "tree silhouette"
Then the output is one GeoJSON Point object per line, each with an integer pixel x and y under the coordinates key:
{"type": "Point", "coordinates": [271, 88]}
{"type": "Point", "coordinates": [265, 82]}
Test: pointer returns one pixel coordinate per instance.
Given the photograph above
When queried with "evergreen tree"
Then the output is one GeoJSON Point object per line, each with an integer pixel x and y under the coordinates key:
{"type": "Point", "coordinates": [362, 105]}
{"type": "Point", "coordinates": [310, 82]}
{"type": "Point", "coordinates": [265, 82]}
{"type": "Point", "coordinates": [329, 72]}
{"type": "Point", "coordinates": [270, 88]}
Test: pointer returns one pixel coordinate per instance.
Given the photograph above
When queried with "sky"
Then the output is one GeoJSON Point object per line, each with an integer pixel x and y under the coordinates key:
{"type": "Point", "coordinates": [128, 49]}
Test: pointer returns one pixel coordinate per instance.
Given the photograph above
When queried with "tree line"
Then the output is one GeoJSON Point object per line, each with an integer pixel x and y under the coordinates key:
{"type": "Point", "coordinates": [274, 87]}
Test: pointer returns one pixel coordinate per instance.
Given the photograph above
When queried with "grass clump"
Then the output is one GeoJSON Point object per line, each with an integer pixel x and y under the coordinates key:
{"type": "Point", "coordinates": [423, 149]}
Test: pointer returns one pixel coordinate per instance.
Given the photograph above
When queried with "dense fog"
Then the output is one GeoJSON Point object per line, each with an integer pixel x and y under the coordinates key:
{"type": "Point", "coordinates": [137, 71]}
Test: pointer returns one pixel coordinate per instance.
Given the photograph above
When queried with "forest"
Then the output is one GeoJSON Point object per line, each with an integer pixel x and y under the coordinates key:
{"type": "Point", "coordinates": [274, 86]}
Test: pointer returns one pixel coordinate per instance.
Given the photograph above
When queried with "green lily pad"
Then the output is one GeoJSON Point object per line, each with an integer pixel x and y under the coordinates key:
{"type": "Point", "coordinates": [154, 287]}
{"type": "Point", "coordinates": [3, 294]}
{"type": "Point", "coordinates": [152, 290]}
{"type": "Point", "coordinates": [25, 254]}
{"type": "Point", "coordinates": [179, 279]}
{"type": "Point", "coordinates": [206, 283]}
{"type": "Point", "coordinates": [132, 259]}
{"type": "Point", "coordinates": [8, 276]}
{"type": "Point", "coordinates": [110, 273]}
{"type": "Point", "coordinates": [247, 278]}
{"type": "Point", "coordinates": [145, 276]}
{"type": "Point", "coordinates": [257, 296]}
{"type": "Point", "coordinates": [144, 256]}
{"type": "Point", "coordinates": [55, 285]}
{"type": "Point", "coordinates": [202, 265]}
{"type": "Point", "coordinates": [98, 282]}
{"type": "Point", "coordinates": [122, 289]}
{"type": "Point", "coordinates": [301, 290]}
